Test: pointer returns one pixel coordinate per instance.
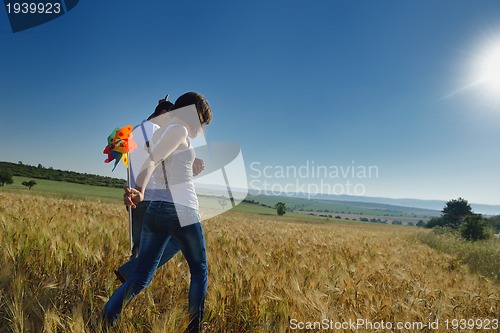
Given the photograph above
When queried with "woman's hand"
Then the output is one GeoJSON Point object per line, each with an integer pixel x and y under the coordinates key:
{"type": "Point", "coordinates": [198, 166]}
{"type": "Point", "coordinates": [131, 197]}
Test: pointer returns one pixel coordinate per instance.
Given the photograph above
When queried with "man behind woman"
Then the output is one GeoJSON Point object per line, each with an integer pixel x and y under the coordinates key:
{"type": "Point", "coordinates": [143, 136]}
{"type": "Point", "coordinates": [173, 210]}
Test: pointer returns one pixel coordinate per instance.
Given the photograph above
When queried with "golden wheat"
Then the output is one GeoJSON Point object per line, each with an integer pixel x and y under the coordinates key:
{"type": "Point", "coordinates": [57, 258]}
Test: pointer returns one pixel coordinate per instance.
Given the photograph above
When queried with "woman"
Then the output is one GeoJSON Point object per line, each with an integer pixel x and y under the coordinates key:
{"type": "Point", "coordinates": [175, 215]}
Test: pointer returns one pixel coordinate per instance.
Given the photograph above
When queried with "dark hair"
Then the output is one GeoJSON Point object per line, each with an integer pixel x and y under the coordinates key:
{"type": "Point", "coordinates": [161, 108]}
{"type": "Point", "coordinates": [190, 98]}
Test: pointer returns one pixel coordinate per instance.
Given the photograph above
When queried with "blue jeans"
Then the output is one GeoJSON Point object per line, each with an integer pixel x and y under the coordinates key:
{"type": "Point", "coordinates": [160, 224]}
{"type": "Point", "coordinates": [138, 215]}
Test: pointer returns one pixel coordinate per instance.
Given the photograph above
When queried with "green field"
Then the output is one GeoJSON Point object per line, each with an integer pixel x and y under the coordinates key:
{"type": "Point", "coordinates": [64, 190]}
{"type": "Point", "coordinates": [344, 207]}
{"type": "Point", "coordinates": [246, 207]}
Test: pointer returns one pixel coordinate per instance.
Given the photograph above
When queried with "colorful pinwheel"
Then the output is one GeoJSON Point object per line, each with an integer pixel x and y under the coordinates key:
{"type": "Point", "coordinates": [120, 143]}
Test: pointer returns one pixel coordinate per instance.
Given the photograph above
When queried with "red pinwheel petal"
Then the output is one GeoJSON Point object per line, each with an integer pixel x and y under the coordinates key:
{"type": "Point", "coordinates": [108, 149]}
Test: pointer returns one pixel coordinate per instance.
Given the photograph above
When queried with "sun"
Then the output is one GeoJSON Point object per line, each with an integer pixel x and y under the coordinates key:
{"type": "Point", "coordinates": [482, 73]}
{"type": "Point", "coordinates": [488, 69]}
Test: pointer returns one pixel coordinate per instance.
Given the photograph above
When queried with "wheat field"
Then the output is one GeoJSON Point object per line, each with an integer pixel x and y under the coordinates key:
{"type": "Point", "coordinates": [266, 274]}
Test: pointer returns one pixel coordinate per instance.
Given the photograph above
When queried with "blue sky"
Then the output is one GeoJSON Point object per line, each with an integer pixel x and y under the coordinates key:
{"type": "Point", "coordinates": [337, 83]}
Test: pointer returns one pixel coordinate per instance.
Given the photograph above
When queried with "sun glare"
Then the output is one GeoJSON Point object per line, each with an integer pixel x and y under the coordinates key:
{"type": "Point", "coordinates": [482, 79]}
{"type": "Point", "coordinates": [489, 70]}
{"type": "Point", "coordinates": [484, 73]}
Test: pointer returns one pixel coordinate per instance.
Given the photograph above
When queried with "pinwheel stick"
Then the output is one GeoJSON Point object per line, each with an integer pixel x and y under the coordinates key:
{"type": "Point", "coordinates": [129, 214]}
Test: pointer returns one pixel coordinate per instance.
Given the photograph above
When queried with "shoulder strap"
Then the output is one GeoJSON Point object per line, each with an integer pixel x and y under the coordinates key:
{"type": "Point", "coordinates": [164, 173]}
{"type": "Point", "coordinates": [146, 139]}
{"type": "Point", "coordinates": [149, 151]}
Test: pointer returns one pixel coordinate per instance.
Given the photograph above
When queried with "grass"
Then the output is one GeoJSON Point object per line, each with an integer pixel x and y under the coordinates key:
{"type": "Point", "coordinates": [57, 257]}
{"type": "Point", "coordinates": [482, 257]}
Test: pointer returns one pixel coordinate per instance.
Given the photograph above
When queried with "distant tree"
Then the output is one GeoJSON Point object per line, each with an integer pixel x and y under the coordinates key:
{"type": "Point", "coordinates": [474, 228]}
{"type": "Point", "coordinates": [420, 223]}
{"type": "Point", "coordinates": [411, 224]}
{"type": "Point", "coordinates": [223, 202]}
{"type": "Point", "coordinates": [5, 178]}
{"type": "Point", "coordinates": [29, 184]}
{"type": "Point", "coordinates": [280, 208]}
{"type": "Point", "coordinates": [494, 221]}
{"type": "Point", "coordinates": [436, 221]}
{"type": "Point", "coordinates": [455, 211]}
{"type": "Point", "coordinates": [40, 166]}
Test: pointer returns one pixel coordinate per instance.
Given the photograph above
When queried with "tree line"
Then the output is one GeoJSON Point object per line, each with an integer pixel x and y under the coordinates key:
{"type": "Point", "coordinates": [457, 216]}
{"type": "Point", "coordinates": [8, 169]}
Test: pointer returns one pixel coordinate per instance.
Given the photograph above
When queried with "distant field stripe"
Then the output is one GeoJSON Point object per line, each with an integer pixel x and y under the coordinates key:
{"type": "Point", "coordinates": [64, 189]}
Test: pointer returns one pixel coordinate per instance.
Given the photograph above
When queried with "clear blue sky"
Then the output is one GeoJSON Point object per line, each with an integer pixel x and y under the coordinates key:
{"type": "Point", "coordinates": [334, 82]}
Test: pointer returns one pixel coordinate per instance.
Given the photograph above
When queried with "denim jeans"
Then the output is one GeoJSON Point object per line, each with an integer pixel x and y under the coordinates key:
{"type": "Point", "coordinates": [160, 224]}
{"type": "Point", "coordinates": [138, 215]}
